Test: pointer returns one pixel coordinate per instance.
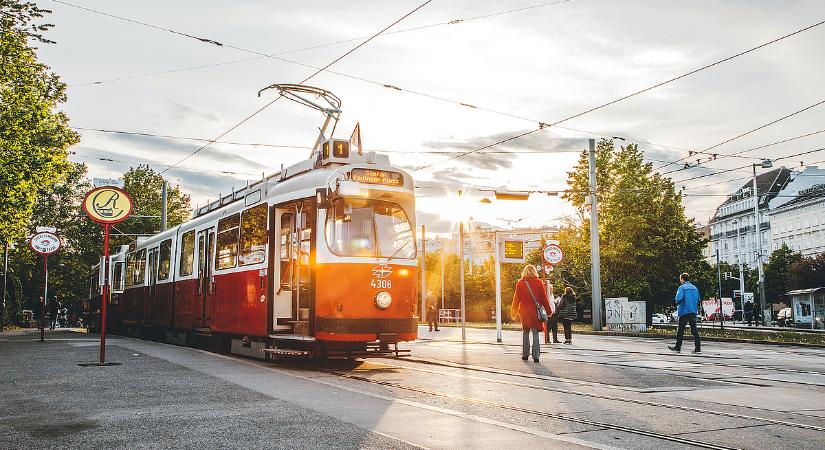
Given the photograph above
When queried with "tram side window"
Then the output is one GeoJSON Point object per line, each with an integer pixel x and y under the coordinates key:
{"type": "Point", "coordinates": [117, 277]}
{"type": "Point", "coordinates": [253, 235]}
{"type": "Point", "coordinates": [140, 268]}
{"type": "Point", "coordinates": [130, 269]}
{"type": "Point", "coordinates": [286, 251]}
{"type": "Point", "coordinates": [187, 253]}
{"type": "Point", "coordinates": [165, 259]}
{"type": "Point", "coordinates": [228, 229]}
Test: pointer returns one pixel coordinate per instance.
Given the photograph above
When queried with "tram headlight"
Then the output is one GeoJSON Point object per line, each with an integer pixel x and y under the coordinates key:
{"type": "Point", "coordinates": [383, 300]}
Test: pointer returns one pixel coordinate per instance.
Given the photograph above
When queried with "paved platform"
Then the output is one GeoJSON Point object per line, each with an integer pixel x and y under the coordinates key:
{"type": "Point", "coordinates": [601, 392]}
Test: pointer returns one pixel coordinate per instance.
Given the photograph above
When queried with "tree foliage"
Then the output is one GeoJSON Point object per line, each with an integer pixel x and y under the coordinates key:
{"type": "Point", "coordinates": [34, 135]}
{"type": "Point", "coordinates": [59, 205]}
{"type": "Point", "coordinates": [646, 240]}
{"type": "Point", "coordinates": [808, 272]}
{"type": "Point", "coordinates": [778, 273]}
{"type": "Point", "coordinates": [144, 185]}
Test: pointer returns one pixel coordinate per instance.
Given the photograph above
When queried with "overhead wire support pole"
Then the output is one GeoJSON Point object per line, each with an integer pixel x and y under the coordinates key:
{"type": "Point", "coordinates": [497, 262]}
{"type": "Point", "coordinates": [595, 258]}
{"type": "Point", "coordinates": [423, 274]}
{"type": "Point", "coordinates": [758, 228]}
{"type": "Point", "coordinates": [461, 278]}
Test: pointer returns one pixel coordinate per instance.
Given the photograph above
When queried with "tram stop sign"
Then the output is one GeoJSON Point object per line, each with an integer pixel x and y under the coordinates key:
{"type": "Point", "coordinates": [45, 243]}
{"type": "Point", "coordinates": [552, 254]}
{"type": "Point", "coordinates": [107, 204]}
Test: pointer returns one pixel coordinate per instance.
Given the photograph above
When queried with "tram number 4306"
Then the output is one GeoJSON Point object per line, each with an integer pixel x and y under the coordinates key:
{"type": "Point", "coordinates": [381, 284]}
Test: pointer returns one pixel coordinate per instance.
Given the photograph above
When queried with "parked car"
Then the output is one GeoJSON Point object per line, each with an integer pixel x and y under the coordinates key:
{"type": "Point", "coordinates": [660, 318]}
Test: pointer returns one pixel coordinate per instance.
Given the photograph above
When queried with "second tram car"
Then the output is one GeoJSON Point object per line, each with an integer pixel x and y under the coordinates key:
{"type": "Point", "coordinates": [318, 259]}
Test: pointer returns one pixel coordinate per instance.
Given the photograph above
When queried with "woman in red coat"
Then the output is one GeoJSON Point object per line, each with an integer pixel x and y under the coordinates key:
{"type": "Point", "coordinates": [528, 295]}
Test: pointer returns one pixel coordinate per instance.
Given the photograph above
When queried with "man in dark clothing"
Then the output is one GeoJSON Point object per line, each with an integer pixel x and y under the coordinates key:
{"type": "Point", "coordinates": [54, 307]}
{"type": "Point", "coordinates": [687, 301]}
{"type": "Point", "coordinates": [432, 311]}
{"type": "Point", "coordinates": [748, 308]}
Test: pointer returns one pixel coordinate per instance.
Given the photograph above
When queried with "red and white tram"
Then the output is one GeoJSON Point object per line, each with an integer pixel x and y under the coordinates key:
{"type": "Point", "coordinates": [318, 259]}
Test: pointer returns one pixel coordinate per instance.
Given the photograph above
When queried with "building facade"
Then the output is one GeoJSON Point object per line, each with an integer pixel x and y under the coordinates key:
{"type": "Point", "coordinates": [733, 229]}
{"type": "Point", "coordinates": [797, 215]}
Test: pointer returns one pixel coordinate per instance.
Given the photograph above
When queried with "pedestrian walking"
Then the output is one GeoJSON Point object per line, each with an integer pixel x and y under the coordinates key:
{"type": "Point", "coordinates": [553, 320]}
{"type": "Point", "coordinates": [530, 306]}
{"type": "Point", "coordinates": [748, 308]}
{"type": "Point", "coordinates": [567, 313]}
{"type": "Point", "coordinates": [432, 310]}
{"type": "Point", "coordinates": [687, 303]}
{"type": "Point", "coordinates": [54, 308]}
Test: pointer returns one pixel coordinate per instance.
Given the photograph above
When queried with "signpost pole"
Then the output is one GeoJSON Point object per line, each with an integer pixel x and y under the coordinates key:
{"type": "Point", "coordinates": [497, 261]}
{"type": "Point", "coordinates": [45, 296]}
{"type": "Point", "coordinates": [104, 294]}
{"type": "Point", "coordinates": [106, 205]}
{"type": "Point", "coordinates": [423, 274]}
{"type": "Point", "coordinates": [461, 276]}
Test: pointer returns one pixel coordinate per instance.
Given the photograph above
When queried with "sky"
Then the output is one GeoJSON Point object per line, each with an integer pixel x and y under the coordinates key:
{"type": "Point", "coordinates": [540, 64]}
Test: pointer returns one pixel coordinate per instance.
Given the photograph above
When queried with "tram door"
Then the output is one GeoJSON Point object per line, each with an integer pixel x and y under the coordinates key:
{"type": "Point", "coordinates": [291, 297]}
{"type": "Point", "coordinates": [151, 294]}
{"type": "Point", "coordinates": [206, 280]}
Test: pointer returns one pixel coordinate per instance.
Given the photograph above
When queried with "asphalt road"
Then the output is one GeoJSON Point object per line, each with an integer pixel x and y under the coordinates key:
{"type": "Point", "coordinates": [601, 392]}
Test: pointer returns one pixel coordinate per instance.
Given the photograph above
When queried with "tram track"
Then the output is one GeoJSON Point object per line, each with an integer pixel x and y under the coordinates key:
{"type": "Point", "coordinates": [519, 409]}
{"type": "Point", "coordinates": [608, 397]}
{"type": "Point", "coordinates": [702, 362]}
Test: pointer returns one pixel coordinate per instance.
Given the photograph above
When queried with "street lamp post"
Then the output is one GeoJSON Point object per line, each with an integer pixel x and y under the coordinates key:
{"type": "Point", "coordinates": [765, 164]}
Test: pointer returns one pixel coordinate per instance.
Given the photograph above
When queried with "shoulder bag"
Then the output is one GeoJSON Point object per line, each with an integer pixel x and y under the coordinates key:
{"type": "Point", "coordinates": [539, 308]}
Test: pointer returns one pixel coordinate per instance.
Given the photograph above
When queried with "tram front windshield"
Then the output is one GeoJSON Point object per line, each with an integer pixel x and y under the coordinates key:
{"type": "Point", "coordinates": [365, 227]}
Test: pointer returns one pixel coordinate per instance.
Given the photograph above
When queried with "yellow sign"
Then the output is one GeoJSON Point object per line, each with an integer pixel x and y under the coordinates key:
{"type": "Point", "coordinates": [514, 249]}
{"type": "Point", "coordinates": [372, 176]}
{"type": "Point", "coordinates": [107, 204]}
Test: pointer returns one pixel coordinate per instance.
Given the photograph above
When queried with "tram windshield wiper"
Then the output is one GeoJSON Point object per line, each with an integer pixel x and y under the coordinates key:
{"type": "Point", "coordinates": [389, 258]}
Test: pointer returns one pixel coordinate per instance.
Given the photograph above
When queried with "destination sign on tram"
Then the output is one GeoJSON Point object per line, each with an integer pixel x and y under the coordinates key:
{"type": "Point", "coordinates": [372, 176]}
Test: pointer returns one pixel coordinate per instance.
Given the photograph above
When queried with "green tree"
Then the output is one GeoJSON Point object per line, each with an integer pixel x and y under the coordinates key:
{"type": "Point", "coordinates": [58, 206]}
{"type": "Point", "coordinates": [646, 240]}
{"type": "Point", "coordinates": [778, 273]}
{"type": "Point", "coordinates": [34, 135]}
{"type": "Point", "coordinates": [144, 185]}
{"type": "Point", "coordinates": [808, 273]}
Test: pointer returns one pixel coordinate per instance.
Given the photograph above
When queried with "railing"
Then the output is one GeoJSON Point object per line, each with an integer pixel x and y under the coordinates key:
{"type": "Point", "coordinates": [449, 315]}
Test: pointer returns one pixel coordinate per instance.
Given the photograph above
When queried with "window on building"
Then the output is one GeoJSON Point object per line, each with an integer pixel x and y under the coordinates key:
{"type": "Point", "coordinates": [227, 251]}
{"type": "Point", "coordinates": [165, 259]}
{"type": "Point", "coordinates": [253, 235]}
{"type": "Point", "coordinates": [187, 253]}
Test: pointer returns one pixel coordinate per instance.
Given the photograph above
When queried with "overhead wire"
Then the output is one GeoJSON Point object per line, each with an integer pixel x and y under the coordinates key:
{"type": "Point", "coordinates": [633, 94]}
{"type": "Point", "coordinates": [155, 164]}
{"type": "Point", "coordinates": [542, 125]}
{"type": "Point", "coordinates": [388, 85]}
{"type": "Point", "coordinates": [259, 110]}
{"type": "Point", "coordinates": [741, 135]}
{"type": "Point", "coordinates": [749, 165]}
{"type": "Point", "coordinates": [297, 50]}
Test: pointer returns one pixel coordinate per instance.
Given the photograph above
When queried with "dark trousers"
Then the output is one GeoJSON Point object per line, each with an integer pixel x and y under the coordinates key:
{"type": "Point", "coordinates": [749, 318]}
{"type": "Point", "coordinates": [552, 326]}
{"type": "Point", "coordinates": [680, 331]}
{"type": "Point", "coordinates": [568, 329]}
{"type": "Point", "coordinates": [53, 321]}
{"type": "Point", "coordinates": [432, 319]}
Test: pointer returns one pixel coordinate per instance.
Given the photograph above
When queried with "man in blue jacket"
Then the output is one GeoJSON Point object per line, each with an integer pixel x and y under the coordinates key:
{"type": "Point", "coordinates": [687, 302]}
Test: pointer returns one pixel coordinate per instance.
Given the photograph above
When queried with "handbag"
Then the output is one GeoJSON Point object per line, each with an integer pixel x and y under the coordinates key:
{"type": "Point", "coordinates": [539, 308]}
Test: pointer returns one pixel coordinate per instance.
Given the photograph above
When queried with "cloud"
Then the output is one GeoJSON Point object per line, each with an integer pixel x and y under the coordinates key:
{"type": "Point", "coordinates": [187, 114]}
{"type": "Point", "coordinates": [496, 157]}
{"type": "Point", "coordinates": [435, 222]}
